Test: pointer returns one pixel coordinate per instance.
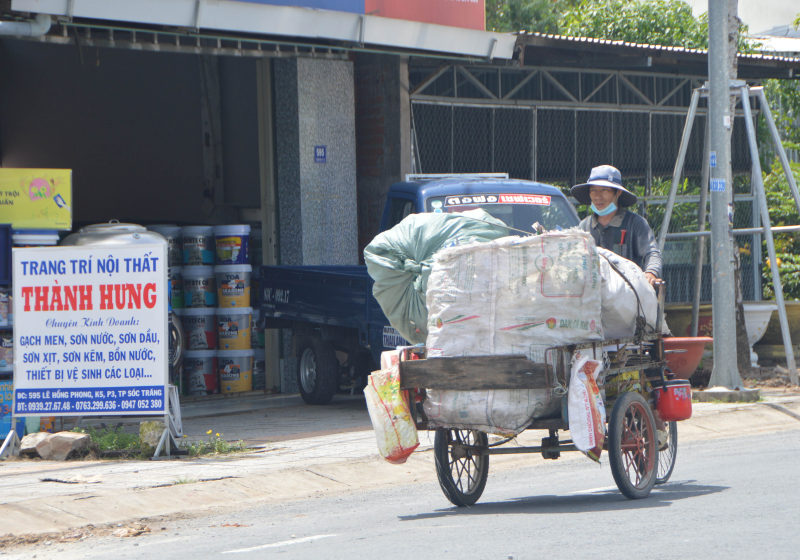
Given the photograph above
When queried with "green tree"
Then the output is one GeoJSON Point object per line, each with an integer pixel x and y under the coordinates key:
{"type": "Point", "coordinates": [661, 22]}
{"type": "Point", "coordinates": [540, 16]}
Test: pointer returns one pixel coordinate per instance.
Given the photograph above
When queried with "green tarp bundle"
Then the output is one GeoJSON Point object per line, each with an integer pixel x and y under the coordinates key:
{"type": "Point", "coordinates": [399, 261]}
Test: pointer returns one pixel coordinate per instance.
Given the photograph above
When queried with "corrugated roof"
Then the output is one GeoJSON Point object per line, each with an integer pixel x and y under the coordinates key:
{"type": "Point", "coordinates": [647, 46]}
{"type": "Point", "coordinates": [542, 49]}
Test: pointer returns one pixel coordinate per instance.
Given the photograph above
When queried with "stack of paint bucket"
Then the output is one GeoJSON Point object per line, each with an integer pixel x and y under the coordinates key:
{"type": "Point", "coordinates": [198, 316]}
{"type": "Point", "coordinates": [235, 314]}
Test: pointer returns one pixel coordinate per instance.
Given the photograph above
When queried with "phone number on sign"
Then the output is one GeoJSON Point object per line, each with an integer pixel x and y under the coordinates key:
{"type": "Point", "coordinates": [89, 406]}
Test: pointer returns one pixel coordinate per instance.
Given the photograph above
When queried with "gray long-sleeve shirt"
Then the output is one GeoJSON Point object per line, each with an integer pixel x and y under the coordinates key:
{"type": "Point", "coordinates": [629, 236]}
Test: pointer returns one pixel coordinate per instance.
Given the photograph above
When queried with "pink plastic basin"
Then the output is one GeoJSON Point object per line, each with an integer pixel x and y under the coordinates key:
{"type": "Point", "coordinates": [684, 364]}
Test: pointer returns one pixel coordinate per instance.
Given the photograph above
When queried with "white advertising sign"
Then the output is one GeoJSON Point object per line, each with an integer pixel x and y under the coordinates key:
{"type": "Point", "coordinates": [90, 331]}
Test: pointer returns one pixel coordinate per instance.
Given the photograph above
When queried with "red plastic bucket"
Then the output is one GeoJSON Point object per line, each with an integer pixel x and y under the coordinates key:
{"type": "Point", "coordinates": [674, 401]}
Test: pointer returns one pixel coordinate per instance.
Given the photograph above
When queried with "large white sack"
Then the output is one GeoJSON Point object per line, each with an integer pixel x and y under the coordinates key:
{"type": "Point", "coordinates": [620, 305]}
{"type": "Point", "coordinates": [502, 412]}
{"type": "Point", "coordinates": [510, 296]}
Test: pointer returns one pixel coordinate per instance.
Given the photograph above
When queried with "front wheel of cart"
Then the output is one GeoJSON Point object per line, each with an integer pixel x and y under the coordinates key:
{"type": "Point", "coordinates": [633, 446]}
{"type": "Point", "coordinates": [461, 468]}
{"type": "Point", "coordinates": [667, 453]}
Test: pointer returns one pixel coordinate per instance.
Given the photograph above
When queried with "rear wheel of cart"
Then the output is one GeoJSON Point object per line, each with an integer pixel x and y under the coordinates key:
{"type": "Point", "coordinates": [317, 370]}
{"type": "Point", "coordinates": [667, 453]}
{"type": "Point", "coordinates": [461, 469]}
{"type": "Point", "coordinates": [633, 446]}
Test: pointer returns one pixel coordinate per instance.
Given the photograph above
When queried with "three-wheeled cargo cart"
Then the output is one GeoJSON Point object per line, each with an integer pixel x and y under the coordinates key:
{"type": "Point", "coordinates": [634, 370]}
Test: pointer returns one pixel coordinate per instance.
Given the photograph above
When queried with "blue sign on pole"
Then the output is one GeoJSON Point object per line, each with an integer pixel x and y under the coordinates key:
{"type": "Point", "coordinates": [713, 159]}
{"type": "Point", "coordinates": [320, 154]}
{"type": "Point", "coordinates": [717, 185]}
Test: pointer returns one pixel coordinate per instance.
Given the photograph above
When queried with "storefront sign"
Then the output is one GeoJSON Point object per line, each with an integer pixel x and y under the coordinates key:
{"type": "Point", "coordinates": [36, 198]}
{"type": "Point", "coordinates": [90, 331]}
{"type": "Point", "coordinates": [468, 14]}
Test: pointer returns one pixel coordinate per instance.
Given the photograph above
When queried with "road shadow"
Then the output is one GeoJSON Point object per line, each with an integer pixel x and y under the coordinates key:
{"type": "Point", "coordinates": [605, 500]}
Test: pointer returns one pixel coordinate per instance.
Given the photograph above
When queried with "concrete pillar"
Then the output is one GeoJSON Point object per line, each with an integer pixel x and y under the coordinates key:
{"type": "Point", "coordinates": [314, 109]}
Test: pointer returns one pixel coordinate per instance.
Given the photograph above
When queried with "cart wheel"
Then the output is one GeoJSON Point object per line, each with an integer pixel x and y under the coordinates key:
{"type": "Point", "coordinates": [462, 473]}
{"type": "Point", "coordinates": [632, 446]}
{"type": "Point", "coordinates": [667, 454]}
{"type": "Point", "coordinates": [317, 370]}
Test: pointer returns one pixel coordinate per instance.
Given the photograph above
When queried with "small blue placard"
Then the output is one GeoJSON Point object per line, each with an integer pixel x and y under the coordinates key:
{"type": "Point", "coordinates": [713, 159]}
{"type": "Point", "coordinates": [320, 154]}
{"type": "Point", "coordinates": [717, 185]}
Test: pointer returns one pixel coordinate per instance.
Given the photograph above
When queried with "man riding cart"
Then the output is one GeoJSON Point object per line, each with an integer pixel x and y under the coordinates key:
{"type": "Point", "coordinates": [538, 332]}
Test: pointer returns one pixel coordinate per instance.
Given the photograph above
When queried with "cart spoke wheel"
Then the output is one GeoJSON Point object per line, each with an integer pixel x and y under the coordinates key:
{"type": "Point", "coordinates": [461, 468]}
{"type": "Point", "coordinates": [633, 451]}
{"type": "Point", "coordinates": [667, 454]}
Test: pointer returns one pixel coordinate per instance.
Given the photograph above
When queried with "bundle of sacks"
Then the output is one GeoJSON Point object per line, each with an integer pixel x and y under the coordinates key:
{"type": "Point", "coordinates": [498, 295]}
{"type": "Point", "coordinates": [516, 295]}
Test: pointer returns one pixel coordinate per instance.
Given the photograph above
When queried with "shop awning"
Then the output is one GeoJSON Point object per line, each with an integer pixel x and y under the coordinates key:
{"type": "Point", "coordinates": [286, 21]}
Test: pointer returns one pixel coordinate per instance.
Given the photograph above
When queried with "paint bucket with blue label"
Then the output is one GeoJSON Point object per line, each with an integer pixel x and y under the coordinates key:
{"type": "Point", "coordinates": [233, 284]}
{"type": "Point", "coordinates": [199, 287]}
{"type": "Point", "coordinates": [172, 234]}
{"type": "Point", "coordinates": [235, 370]}
{"type": "Point", "coordinates": [233, 244]}
{"type": "Point", "coordinates": [199, 245]}
{"type": "Point", "coordinates": [234, 328]}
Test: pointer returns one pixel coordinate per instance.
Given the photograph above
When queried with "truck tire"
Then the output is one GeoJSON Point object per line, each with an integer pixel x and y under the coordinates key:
{"type": "Point", "coordinates": [317, 370]}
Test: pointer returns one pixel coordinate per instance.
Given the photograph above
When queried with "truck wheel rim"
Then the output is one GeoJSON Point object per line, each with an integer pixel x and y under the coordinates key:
{"type": "Point", "coordinates": [308, 370]}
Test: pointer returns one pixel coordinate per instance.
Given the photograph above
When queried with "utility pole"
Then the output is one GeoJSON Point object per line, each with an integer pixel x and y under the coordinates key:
{"type": "Point", "coordinates": [726, 372]}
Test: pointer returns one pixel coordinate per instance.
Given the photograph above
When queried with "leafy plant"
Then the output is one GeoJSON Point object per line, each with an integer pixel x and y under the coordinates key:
{"type": "Point", "coordinates": [214, 446]}
{"type": "Point", "coordinates": [783, 212]}
{"type": "Point", "coordinates": [109, 439]}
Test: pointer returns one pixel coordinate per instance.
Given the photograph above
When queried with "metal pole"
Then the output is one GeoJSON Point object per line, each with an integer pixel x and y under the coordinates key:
{"type": "Point", "coordinates": [773, 262]}
{"type": "Point", "coordinates": [701, 242]}
{"type": "Point", "coordinates": [676, 174]}
{"type": "Point", "coordinates": [778, 144]}
{"type": "Point", "coordinates": [743, 231]}
{"type": "Point", "coordinates": [726, 370]}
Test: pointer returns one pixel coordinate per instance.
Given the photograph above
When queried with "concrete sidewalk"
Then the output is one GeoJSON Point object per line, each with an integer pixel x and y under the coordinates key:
{"type": "Point", "coordinates": [299, 462]}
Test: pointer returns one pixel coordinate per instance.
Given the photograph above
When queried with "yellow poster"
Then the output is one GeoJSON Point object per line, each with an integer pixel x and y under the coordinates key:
{"type": "Point", "coordinates": [36, 198]}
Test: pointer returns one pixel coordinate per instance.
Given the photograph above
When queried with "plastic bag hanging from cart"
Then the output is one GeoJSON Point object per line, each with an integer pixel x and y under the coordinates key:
{"type": "Point", "coordinates": [389, 411]}
{"type": "Point", "coordinates": [587, 413]}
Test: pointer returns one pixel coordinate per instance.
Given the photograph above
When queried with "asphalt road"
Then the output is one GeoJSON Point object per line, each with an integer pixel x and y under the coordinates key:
{"type": "Point", "coordinates": [728, 498]}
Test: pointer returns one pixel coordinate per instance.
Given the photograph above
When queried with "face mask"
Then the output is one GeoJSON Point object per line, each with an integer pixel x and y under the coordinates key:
{"type": "Point", "coordinates": [605, 211]}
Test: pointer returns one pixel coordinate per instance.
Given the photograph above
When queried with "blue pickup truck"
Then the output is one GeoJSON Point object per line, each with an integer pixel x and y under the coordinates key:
{"type": "Point", "coordinates": [338, 328]}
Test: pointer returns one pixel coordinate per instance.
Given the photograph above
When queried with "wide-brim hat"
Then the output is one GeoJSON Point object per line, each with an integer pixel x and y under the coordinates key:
{"type": "Point", "coordinates": [604, 176]}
